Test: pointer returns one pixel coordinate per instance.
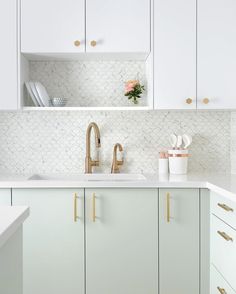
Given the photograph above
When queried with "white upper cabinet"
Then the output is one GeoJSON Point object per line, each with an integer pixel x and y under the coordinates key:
{"type": "Point", "coordinates": [8, 55]}
{"type": "Point", "coordinates": [217, 54]}
{"type": "Point", "coordinates": [52, 26]}
{"type": "Point", "coordinates": [59, 26]}
{"type": "Point", "coordinates": [122, 26]}
{"type": "Point", "coordinates": [175, 54]}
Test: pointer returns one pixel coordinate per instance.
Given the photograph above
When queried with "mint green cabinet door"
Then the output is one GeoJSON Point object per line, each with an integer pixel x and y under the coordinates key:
{"type": "Point", "coordinates": [121, 241]}
{"type": "Point", "coordinates": [179, 241]}
{"type": "Point", "coordinates": [5, 196]}
{"type": "Point", "coordinates": [53, 240]}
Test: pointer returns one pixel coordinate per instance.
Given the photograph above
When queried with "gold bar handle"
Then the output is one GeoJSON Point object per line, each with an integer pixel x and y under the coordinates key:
{"type": "Point", "coordinates": [221, 290]}
{"type": "Point", "coordinates": [94, 208]}
{"type": "Point", "coordinates": [76, 217]}
{"type": "Point", "coordinates": [225, 236]}
{"type": "Point", "coordinates": [168, 207]}
{"type": "Point", "coordinates": [225, 207]}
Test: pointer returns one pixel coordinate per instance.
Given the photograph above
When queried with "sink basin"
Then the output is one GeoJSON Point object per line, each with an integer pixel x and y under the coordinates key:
{"type": "Point", "coordinates": [88, 177]}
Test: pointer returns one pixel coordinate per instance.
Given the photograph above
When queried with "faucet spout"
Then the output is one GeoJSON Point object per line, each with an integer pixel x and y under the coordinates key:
{"type": "Point", "coordinates": [89, 163]}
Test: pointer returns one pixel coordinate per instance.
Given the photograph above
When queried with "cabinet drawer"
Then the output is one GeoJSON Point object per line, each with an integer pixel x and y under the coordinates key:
{"type": "Point", "coordinates": [224, 209]}
{"type": "Point", "coordinates": [223, 249]}
{"type": "Point", "coordinates": [218, 283]}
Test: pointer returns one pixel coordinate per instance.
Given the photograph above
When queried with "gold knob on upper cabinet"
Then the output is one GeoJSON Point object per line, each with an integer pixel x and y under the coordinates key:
{"type": "Point", "coordinates": [77, 43]}
{"type": "Point", "coordinates": [189, 101]}
{"type": "Point", "coordinates": [93, 43]}
{"type": "Point", "coordinates": [206, 100]}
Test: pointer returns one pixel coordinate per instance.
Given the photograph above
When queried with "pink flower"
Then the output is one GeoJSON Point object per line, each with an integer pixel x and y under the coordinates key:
{"type": "Point", "coordinates": [130, 85]}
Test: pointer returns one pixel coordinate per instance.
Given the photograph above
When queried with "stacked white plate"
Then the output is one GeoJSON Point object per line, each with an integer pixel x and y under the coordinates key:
{"type": "Point", "coordinates": [38, 94]}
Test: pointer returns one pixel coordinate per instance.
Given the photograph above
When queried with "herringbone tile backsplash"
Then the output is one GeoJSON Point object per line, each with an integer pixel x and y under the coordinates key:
{"type": "Point", "coordinates": [54, 141]}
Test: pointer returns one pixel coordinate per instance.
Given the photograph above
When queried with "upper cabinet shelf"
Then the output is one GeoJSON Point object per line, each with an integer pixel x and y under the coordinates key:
{"type": "Point", "coordinates": [78, 26]}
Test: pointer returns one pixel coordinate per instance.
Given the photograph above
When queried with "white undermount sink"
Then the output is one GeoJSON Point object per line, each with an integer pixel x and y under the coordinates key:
{"type": "Point", "coordinates": [88, 177]}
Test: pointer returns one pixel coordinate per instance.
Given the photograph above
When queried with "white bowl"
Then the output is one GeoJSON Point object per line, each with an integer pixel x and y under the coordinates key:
{"type": "Point", "coordinates": [58, 102]}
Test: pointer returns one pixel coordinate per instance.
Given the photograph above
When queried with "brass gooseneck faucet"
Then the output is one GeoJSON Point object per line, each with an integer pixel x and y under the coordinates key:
{"type": "Point", "coordinates": [89, 163]}
{"type": "Point", "coordinates": [116, 163]}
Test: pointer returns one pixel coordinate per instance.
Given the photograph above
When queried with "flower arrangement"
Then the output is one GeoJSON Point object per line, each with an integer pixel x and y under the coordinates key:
{"type": "Point", "coordinates": [133, 90]}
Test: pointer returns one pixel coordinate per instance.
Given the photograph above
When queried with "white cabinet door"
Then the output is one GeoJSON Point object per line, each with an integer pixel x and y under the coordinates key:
{"type": "Point", "coordinates": [52, 26]}
{"type": "Point", "coordinates": [179, 241]}
{"type": "Point", "coordinates": [53, 241]}
{"type": "Point", "coordinates": [175, 54]}
{"type": "Point", "coordinates": [8, 55]}
{"type": "Point", "coordinates": [217, 54]}
{"type": "Point", "coordinates": [5, 197]}
{"type": "Point", "coordinates": [118, 26]}
{"type": "Point", "coordinates": [121, 242]}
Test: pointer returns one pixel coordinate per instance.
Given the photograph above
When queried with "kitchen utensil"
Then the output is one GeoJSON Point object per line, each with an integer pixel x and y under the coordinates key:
{"type": "Point", "coordinates": [187, 139]}
{"type": "Point", "coordinates": [173, 140]}
{"type": "Point", "coordinates": [58, 102]}
{"type": "Point", "coordinates": [33, 89]}
{"type": "Point", "coordinates": [43, 94]}
{"type": "Point", "coordinates": [179, 141]}
{"type": "Point", "coordinates": [31, 94]}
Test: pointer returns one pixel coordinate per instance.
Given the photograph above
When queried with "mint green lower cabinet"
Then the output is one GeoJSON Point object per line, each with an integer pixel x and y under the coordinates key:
{"type": "Point", "coordinates": [179, 237]}
{"type": "Point", "coordinates": [121, 241]}
{"type": "Point", "coordinates": [53, 242]}
{"type": "Point", "coordinates": [5, 196]}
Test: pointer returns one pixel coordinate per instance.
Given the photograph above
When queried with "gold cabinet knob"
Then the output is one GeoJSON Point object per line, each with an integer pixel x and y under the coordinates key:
{"type": "Point", "coordinates": [93, 43]}
{"type": "Point", "coordinates": [189, 101]}
{"type": "Point", "coordinates": [77, 43]}
{"type": "Point", "coordinates": [206, 100]}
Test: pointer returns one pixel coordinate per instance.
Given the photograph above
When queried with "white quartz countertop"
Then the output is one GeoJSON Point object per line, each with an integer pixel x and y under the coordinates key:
{"type": "Point", "coordinates": [224, 184]}
{"type": "Point", "coordinates": [11, 217]}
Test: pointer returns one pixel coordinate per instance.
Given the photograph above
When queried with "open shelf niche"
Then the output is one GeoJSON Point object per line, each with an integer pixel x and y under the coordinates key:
{"type": "Point", "coordinates": [87, 84]}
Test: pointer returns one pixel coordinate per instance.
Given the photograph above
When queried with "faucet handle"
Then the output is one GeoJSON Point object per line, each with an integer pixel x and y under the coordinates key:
{"type": "Point", "coordinates": [116, 163]}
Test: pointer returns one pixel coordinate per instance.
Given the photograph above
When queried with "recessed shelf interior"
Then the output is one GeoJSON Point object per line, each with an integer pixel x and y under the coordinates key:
{"type": "Point", "coordinates": [87, 83]}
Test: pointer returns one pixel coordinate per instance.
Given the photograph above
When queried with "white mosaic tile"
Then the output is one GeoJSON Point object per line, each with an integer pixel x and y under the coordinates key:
{"type": "Point", "coordinates": [54, 142]}
{"type": "Point", "coordinates": [89, 83]}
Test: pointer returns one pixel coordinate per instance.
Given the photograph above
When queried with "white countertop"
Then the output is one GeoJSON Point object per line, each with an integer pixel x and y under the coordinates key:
{"type": "Point", "coordinates": [11, 217]}
{"type": "Point", "coordinates": [224, 184]}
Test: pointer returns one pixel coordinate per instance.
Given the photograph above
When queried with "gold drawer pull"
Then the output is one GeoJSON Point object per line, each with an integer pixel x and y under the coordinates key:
{"type": "Point", "coordinates": [225, 207]}
{"type": "Point", "coordinates": [168, 207]}
{"type": "Point", "coordinates": [77, 43]}
{"type": "Point", "coordinates": [225, 236]}
{"type": "Point", "coordinates": [94, 208]}
{"type": "Point", "coordinates": [76, 217]}
{"type": "Point", "coordinates": [206, 100]}
{"type": "Point", "coordinates": [221, 290]}
{"type": "Point", "coordinates": [93, 43]}
{"type": "Point", "coordinates": [189, 101]}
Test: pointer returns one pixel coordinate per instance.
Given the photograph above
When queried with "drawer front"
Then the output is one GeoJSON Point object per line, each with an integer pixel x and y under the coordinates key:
{"type": "Point", "coordinates": [218, 284]}
{"type": "Point", "coordinates": [224, 209]}
{"type": "Point", "coordinates": [223, 249]}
